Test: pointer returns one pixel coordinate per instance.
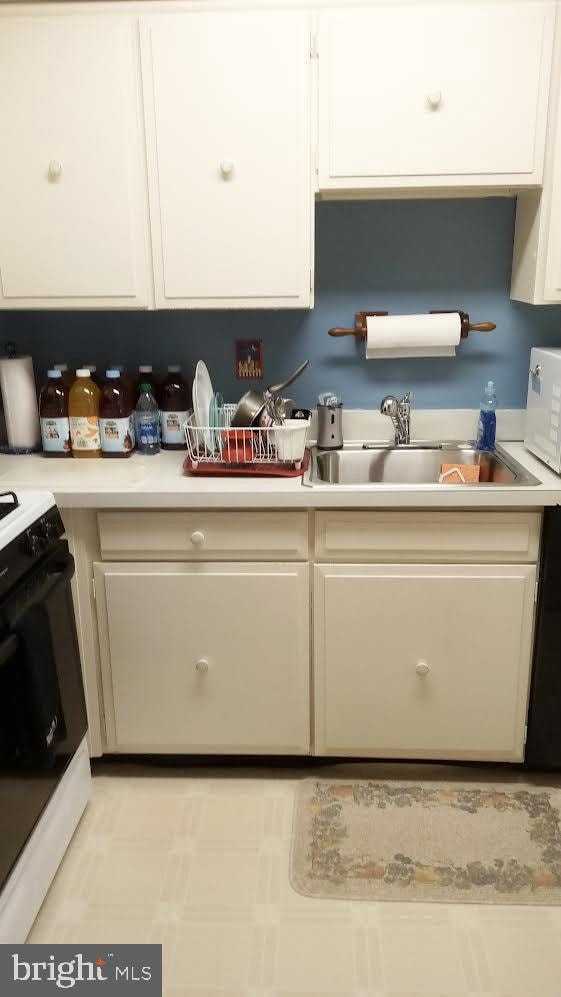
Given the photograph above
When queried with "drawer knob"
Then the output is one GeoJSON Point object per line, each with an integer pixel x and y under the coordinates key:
{"type": "Point", "coordinates": [202, 666]}
{"type": "Point", "coordinates": [55, 169]}
{"type": "Point", "coordinates": [536, 371]}
{"type": "Point", "coordinates": [226, 168]}
{"type": "Point", "coordinates": [422, 669]}
{"type": "Point", "coordinates": [198, 538]}
{"type": "Point", "coordinates": [434, 99]}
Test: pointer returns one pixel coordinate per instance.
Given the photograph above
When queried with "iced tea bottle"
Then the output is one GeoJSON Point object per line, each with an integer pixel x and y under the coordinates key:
{"type": "Point", "coordinates": [83, 411]}
{"type": "Point", "coordinates": [175, 402]}
{"type": "Point", "coordinates": [116, 418]}
{"type": "Point", "coordinates": [53, 412]}
{"type": "Point", "coordinates": [127, 383]}
{"type": "Point", "coordinates": [67, 375]}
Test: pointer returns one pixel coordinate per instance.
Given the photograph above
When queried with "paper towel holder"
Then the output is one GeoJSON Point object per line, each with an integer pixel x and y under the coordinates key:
{"type": "Point", "coordinates": [360, 329]}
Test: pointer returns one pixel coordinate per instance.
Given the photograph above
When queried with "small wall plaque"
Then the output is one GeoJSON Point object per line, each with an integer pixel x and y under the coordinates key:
{"type": "Point", "coordinates": [249, 359]}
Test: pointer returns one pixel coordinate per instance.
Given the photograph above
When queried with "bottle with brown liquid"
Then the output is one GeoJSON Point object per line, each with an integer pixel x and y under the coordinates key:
{"type": "Point", "coordinates": [127, 383]}
{"type": "Point", "coordinates": [83, 410]}
{"type": "Point", "coordinates": [67, 375]}
{"type": "Point", "coordinates": [175, 402]}
{"type": "Point", "coordinates": [116, 418]}
{"type": "Point", "coordinates": [53, 412]}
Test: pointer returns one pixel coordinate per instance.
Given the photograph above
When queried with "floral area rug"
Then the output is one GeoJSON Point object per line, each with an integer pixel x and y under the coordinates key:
{"type": "Point", "coordinates": [431, 841]}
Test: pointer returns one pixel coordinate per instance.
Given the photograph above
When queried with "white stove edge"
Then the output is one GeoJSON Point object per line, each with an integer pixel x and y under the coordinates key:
{"type": "Point", "coordinates": [32, 505]}
{"type": "Point", "coordinates": [28, 884]}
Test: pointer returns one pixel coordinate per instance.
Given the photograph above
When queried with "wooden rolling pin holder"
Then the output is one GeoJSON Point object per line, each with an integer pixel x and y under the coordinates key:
{"type": "Point", "coordinates": [360, 327]}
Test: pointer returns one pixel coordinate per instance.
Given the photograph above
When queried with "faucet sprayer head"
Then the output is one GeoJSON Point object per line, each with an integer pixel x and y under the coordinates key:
{"type": "Point", "coordinates": [389, 406]}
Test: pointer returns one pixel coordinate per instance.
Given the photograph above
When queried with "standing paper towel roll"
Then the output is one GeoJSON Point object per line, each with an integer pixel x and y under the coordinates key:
{"type": "Point", "coordinates": [394, 336]}
{"type": "Point", "coordinates": [19, 396]}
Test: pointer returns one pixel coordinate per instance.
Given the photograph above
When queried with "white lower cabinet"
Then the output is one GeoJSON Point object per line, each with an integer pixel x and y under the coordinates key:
{"type": "Point", "coordinates": [422, 661]}
{"type": "Point", "coordinates": [207, 658]}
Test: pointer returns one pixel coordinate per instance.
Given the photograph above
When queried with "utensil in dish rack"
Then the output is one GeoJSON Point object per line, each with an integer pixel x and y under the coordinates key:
{"type": "Point", "coordinates": [278, 408]}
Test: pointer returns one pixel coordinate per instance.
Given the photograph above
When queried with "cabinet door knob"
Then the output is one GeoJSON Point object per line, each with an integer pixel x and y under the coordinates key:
{"type": "Point", "coordinates": [197, 538]}
{"type": "Point", "coordinates": [226, 168]}
{"type": "Point", "coordinates": [55, 169]}
{"type": "Point", "coordinates": [422, 669]}
{"type": "Point", "coordinates": [201, 666]}
{"type": "Point", "coordinates": [434, 99]}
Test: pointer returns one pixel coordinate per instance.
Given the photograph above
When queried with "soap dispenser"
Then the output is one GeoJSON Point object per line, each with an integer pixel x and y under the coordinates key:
{"type": "Point", "coordinates": [330, 422]}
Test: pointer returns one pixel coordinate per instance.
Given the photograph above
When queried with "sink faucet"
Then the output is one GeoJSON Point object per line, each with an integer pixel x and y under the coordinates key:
{"type": "Point", "coordinates": [400, 414]}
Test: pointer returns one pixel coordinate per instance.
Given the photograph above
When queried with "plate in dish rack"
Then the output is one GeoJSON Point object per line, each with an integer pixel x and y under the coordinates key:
{"type": "Point", "coordinates": [203, 393]}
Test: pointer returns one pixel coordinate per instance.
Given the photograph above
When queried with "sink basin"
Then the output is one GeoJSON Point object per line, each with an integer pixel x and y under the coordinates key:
{"type": "Point", "coordinates": [417, 464]}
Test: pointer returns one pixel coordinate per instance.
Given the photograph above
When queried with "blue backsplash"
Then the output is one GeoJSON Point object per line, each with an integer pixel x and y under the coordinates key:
{"type": "Point", "coordinates": [401, 256]}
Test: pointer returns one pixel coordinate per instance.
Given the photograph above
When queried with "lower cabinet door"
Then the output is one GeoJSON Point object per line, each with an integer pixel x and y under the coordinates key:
{"type": "Point", "coordinates": [423, 661]}
{"type": "Point", "coordinates": [208, 658]}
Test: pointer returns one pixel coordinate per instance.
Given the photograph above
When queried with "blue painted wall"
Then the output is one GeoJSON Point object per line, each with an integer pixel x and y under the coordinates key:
{"type": "Point", "coordinates": [403, 256]}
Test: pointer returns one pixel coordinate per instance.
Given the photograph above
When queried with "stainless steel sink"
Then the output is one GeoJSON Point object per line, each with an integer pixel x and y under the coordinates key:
{"type": "Point", "coordinates": [414, 464]}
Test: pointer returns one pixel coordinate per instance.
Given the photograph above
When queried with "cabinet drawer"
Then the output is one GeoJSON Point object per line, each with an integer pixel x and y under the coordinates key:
{"type": "Point", "coordinates": [203, 536]}
{"type": "Point", "coordinates": [427, 536]}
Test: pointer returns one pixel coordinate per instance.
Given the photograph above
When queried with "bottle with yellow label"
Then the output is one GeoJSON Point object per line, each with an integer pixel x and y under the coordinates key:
{"type": "Point", "coordinates": [83, 412]}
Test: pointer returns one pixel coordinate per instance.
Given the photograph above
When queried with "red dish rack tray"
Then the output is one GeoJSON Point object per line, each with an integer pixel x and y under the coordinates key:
{"type": "Point", "coordinates": [258, 451]}
{"type": "Point", "coordinates": [253, 469]}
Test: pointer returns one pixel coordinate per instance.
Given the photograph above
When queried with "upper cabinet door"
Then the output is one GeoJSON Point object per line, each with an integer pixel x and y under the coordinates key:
{"type": "Point", "coordinates": [73, 206]}
{"type": "Point", "coordinates": [227, 98]}
{"type": "Point", "coordinates": [427, 96]}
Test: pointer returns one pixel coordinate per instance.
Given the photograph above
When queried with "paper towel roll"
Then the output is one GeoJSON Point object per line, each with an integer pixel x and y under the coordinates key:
{"type": "Point", "coordinates": [395, 336]}
{"type": "Point", "coordinates": [19, 397]}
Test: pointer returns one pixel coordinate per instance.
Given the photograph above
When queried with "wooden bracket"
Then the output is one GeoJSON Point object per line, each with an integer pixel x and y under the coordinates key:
{"type": "Point", "coordinates": [360, 327]}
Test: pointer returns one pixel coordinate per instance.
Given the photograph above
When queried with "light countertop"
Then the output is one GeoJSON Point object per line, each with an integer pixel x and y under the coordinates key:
{"type": "Point", "coordinates": [158, 482]}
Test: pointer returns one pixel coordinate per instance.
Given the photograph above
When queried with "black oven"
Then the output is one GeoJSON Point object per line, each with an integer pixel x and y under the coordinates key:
{"type": "Point", "coordinates": [42, 706]}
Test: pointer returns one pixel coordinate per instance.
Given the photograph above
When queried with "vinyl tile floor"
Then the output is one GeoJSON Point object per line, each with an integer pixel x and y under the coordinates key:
{"type": "Point", "coordinates": [197, 859]}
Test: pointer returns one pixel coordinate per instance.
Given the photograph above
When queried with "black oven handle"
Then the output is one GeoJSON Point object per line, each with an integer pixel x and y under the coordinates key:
{"type": "Point", "coordinates": [65, 568]}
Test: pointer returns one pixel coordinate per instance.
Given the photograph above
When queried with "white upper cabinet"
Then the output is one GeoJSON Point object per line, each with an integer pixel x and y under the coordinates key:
{"type": "Point", "coordinates": [536, 262]}
{"type": "Point", "coordinates": [227, 103]}
{"type": "Point", "coordinates": [73, 205]}
{"type": "Point", "coordinates": [434, 96]}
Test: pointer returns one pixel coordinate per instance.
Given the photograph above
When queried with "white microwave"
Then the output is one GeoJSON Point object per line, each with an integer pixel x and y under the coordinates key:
{"type": "Point", "coordinates": [543, 411]}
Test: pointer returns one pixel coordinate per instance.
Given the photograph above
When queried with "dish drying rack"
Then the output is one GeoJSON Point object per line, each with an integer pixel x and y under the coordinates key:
{"type": "Point", "coordinates": [267, 449]}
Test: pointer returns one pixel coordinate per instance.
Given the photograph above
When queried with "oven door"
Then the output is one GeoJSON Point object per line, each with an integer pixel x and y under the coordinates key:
{"type": "Point", "coordinates": [42, 706]}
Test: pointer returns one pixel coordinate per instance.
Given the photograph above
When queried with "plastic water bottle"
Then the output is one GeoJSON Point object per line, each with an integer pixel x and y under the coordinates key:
{"type": "Point", "coordinates": [487, 428]}
{"type": "Point", "coordinates": [147, 422]}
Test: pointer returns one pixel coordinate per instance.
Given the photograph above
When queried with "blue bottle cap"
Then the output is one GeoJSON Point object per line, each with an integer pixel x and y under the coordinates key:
{"type": "Point", "coordinates": [112, 374]}
{"type": "Point", "coordinates": [54, 373]}
{"type": "Point", "coordinates": [174, 368]}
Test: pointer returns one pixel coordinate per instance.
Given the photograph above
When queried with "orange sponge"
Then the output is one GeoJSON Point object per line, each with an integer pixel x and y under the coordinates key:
{"type": "Point", "coordinates": [459, 474]}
